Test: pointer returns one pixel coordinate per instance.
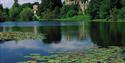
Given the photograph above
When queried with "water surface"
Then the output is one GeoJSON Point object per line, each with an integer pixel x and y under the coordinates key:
{"type": "Point", "coordinates": [60, 36]}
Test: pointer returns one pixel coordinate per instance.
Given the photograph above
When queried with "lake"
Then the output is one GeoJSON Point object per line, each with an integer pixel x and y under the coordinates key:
{"type": "Point", "coordinates": [60, 36]}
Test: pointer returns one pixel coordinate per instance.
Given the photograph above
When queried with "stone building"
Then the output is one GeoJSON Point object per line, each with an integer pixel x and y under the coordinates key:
{"type": "Point", "coordinates": [69, 2]}
{"type": "Point", "coordinates": [35, 8]}
{"type": "Point", "coordinates": [82, 5]}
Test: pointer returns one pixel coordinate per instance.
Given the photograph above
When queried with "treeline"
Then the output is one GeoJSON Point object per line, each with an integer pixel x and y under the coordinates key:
{"type": "Point", "coordinates": [3, 13]}
{"type": "Point", "coordinates": [106, 9]}
{"type": "Point", "coordinates": [17, 12]}
{"type": "Point", "coordinates": [55, 9]}
{"type": "Point", "coordinates": [48, 9]}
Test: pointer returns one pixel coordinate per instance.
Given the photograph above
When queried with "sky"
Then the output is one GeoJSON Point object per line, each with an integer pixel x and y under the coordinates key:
{"type": "Point", "coordinates": [9, 3]}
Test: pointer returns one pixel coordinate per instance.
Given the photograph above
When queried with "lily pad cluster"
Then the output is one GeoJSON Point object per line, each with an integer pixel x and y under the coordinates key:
{"type": "Point", "coordinates": [96, 55]}
{"type": "Point", "coordinates": [20, 35]}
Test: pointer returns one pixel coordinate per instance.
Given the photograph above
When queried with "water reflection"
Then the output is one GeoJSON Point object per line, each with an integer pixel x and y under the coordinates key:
{"type": "Point", "coordinates": [59, 36]}
{"type": "Point", "coordinates": [12, 51]}
{"type": "Point", "coordinates": [52, 33]}
{"type": "Point", "coordinates": [108, 33]}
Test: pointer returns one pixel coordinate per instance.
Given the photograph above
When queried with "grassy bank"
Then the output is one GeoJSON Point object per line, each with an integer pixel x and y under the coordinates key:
{"type": "Point", "coordinates": [78, 18]}
{"type": "Point", "coordinates": [74, 18]}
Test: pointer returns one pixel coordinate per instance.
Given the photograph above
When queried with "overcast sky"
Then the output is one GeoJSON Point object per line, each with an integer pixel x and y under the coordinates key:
{"type": "Point", "coordinates": [9, 3]}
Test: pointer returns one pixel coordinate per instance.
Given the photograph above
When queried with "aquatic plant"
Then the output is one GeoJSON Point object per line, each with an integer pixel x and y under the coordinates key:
{"type": "Point", "coordinates": [20, 36]}
{"type": "Point", "coordinates": [95, 55]}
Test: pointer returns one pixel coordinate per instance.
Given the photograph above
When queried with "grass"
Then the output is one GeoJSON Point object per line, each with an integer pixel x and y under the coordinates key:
{"type": "Point", "coordinates": [74, 18]}
{"type": "Point", "coordinates": [78, 18]}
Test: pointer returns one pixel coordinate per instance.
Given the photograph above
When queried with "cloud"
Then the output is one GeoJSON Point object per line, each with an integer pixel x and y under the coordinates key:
{"type": "Point", "coordinates": [27, 1]}
{"type": "Point", "coordinates": [9, 3]}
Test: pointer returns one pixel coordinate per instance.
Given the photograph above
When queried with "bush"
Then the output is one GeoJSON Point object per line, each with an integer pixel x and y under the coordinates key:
{"type": "Point", "coordinates": [26, 14]}
{"type": "Point", "coordinates": [122, 13]}
{"type": "Point", "coordinates": [71, 13]}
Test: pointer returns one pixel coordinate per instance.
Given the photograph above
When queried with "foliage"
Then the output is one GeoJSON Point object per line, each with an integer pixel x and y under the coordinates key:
{"type": "Point", "coordinates": [93, 8]}
{"type": "Point", "coordinates": [26, 5]}
{"type": "Point", "coordinates": [4, 13]}
{"type": "Point", "coordinates": [56, 13]}
{"type": "Point", "coordinates": [26, 14]}
{"type": "Point", "coordinates": [51, 4]}
{"type": "Point", "coordinates": [14, 13]}
{"type": "Point", "coordinates": [54, 9]}
{"type": "Point", "coordinates": [49, 9]}
{"type": "Point", "coordinates": [103, 9]}
{"type": "Point", "coordinates": [122, 13]}
{"type": "Point", "coordinates": [123, 3]}
{"type": "Point", "coordinates": [51, 14]}
{"type": "Point", "coordinates": [69, 11]}
{"type": "Point", "coordinates": [78, 18]}
{"type": "Point", "coordinates": [20, 36]}
{"type": "Point", "coordinates": [1, 12]}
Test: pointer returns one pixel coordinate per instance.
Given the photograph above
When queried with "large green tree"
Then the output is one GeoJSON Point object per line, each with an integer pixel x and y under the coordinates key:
{"type": "Point", "coordinates": [48, 5]}
{"type": "Point", "coordinates": [101, 9]}
{"type": "Point", "coordinates": [15, 11]}
{"type": "Point", "coordinates": [123, 3]}
{"type": "Point", "coordinates": [69, 11]}
{"type": "Point", "coordinates": [93, 8]}
{"type": "Point", "coordinates": [1, 12]}
{"type": "Point", "coordinates": [104, 9]}
{"type": "Point", "coordinates": [51, 4]}
{"type": "Point", "coordinates": [26, 14]}
{"type": "Point", "coordinates": [4, 13]}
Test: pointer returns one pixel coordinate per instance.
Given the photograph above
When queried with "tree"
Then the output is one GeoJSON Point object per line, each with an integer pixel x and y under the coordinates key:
{"type": "Point", "coordinates": [122, 13]}
{"type": "Point", "coordinates": [15, 11]}
{"type": "Point", "coordinates": [116, 4]}
{"type": "Point", "coordinates": [101, 9]}
{"type": "Point", "coordinates": [93, 8]}
{"type": "Point", "coordinates": [1, 12]}
{"type": "Point", "coordinates": [1, 7]}
{"type": "Point", "coordinates": [56, 3]}
{"type": "Point", "coordinates": [104, 9]}
{"type": "Point", "coordinates": [48, 5]}
{"type": "Point", "coordinates": [51, 4]}
{"type": "Point", "coordinates": [69, 10]}
{"type": "Point", "coordinates": [15, 3]}
{"type": "Point", "coordinates": [26, 5]}
{"type": "Point", "coordinates": [123, 3]}
{"type": "Point", "coordinates": [55, 13]}
{"type": "Point", "coordinates": [26, 14]}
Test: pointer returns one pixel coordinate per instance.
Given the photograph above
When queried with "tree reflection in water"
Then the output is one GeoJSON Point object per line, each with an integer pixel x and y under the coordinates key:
{"type": "Point", "coordinates": [52, 33]}
{"type": "Point", "coordinates": [108, 33]}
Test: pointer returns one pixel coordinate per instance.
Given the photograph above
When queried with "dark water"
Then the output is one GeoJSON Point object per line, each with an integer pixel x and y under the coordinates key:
{"type": "Point", "coordinates": [68, 36]}
{"type": "Point", "coordinates": [108, 33]}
